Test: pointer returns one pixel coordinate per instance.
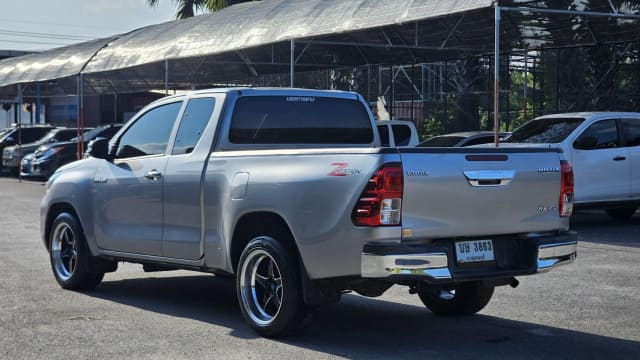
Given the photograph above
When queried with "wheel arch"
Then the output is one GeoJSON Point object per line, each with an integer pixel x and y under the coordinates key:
{"type": "Point", "coordinates": [53, 212]}
{"type": "Point", "coordinates": [259, 223]}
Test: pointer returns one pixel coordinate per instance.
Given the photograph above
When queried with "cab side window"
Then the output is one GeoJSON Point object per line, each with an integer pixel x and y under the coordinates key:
{"type": "Point", "coordinates": [600, 135]}
{"type": "Point", "coordinates": [149, 135]}
{"type": "Point", "coordinates": [194, 120]}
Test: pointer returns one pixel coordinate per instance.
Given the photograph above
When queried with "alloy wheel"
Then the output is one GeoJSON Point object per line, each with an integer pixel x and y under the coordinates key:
{"type": "Point", "coordinates": [261, 287]}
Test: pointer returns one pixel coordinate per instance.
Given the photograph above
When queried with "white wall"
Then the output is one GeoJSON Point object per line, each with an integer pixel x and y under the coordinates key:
{"type": "Point", "coordinates": [7, 117]}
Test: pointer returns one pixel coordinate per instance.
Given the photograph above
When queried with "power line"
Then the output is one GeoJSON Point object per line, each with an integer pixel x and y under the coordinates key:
{"type": "Point", "coordinates": [32, 42]}
{"type": "Point", "coordinates": [44, 35]}
{"type": "Point", "coordinates": [55, 24]}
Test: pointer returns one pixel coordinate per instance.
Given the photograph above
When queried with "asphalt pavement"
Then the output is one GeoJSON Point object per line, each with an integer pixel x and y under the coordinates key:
{"type": "Point", "coordinates": [588, 309]}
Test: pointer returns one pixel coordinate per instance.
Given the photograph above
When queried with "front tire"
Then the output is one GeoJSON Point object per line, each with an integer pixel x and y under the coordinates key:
{"type": "Point", "coordinates": [621, 213]}
{"type": "Point", "coordinates": [70, 255]}
{"type": "Point", "coordinates": [457, 300]}
{"type": "Point", "coordinates": [269, 288]}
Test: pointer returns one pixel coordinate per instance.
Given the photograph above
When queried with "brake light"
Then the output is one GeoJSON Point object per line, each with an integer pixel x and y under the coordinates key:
{"type": "Point", "coordinates": [566, 189]}
{"type": "Point", "coordinates": [380, 203]}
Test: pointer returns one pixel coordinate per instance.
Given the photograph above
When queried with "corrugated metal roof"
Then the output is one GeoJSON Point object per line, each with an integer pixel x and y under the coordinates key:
{"type": "Point", "coordinates": [252, 39]}
{"type": "Point", "coordinates": [52, 64]}
{"type": "Point", "coordinates": [254, 24]}
{"type": "Point", "coordinates": [238, 27]}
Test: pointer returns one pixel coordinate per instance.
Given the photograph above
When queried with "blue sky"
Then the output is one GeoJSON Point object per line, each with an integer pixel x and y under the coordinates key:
{"type": "Point", "coordinates": [44, 24]}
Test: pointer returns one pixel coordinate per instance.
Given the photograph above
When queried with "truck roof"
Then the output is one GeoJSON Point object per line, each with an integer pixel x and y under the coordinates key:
{"type": "Point", "coordinates": [269, 90]}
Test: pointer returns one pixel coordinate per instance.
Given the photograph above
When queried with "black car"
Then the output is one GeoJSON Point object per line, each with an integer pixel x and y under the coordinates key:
{"type": "Point", "coordinates": [12, 155]}
{"type": "Point", "coordinates": [48, 158]}
{"type": "Point", "coordinates": [25, 134]}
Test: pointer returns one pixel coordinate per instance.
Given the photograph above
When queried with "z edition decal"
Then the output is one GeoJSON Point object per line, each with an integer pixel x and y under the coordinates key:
{"type": "Point", "coordinates": [341, 169]}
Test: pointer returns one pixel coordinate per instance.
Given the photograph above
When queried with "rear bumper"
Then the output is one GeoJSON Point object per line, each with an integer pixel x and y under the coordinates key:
{"type": "Point", "coordinates": [436, 262]}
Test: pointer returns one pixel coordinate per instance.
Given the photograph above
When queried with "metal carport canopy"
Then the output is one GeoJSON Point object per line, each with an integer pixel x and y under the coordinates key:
{"type": "Point", "coordinates": [254, 24]}
{"type": "Point", "coordinates": [53, 64]}
{"type": "Point", "coordinates": [257, 38]}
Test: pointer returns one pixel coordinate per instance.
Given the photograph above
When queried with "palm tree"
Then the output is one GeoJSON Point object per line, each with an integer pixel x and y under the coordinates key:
{"type": "Point", "coordinates": [187, 8]}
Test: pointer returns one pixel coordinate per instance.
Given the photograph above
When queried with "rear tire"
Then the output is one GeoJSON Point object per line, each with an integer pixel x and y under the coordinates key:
{"type": "Point", "coordinates": [457, 300]}
{"type": "Point", "coordinates": [621, 213]}
{"type": "Point", "coordinates": [70, 255]}
{"type": "Point", "coordinates": [269, 288]}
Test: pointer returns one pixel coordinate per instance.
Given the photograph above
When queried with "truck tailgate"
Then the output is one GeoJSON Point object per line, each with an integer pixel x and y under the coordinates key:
{"type": "Point", "coordinates": [475, 192]}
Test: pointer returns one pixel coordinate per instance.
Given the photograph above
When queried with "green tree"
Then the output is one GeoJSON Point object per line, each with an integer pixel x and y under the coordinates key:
{"type": "Point", "coordinates": [188, 8]}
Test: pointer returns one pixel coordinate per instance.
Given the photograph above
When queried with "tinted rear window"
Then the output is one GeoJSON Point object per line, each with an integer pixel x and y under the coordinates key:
{"type": "Point", "coordinates": [299, 120]}
{"type": "Point", "coordinates": [545, 131]}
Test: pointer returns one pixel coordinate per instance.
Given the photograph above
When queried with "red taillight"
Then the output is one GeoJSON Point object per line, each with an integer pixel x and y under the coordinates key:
{"type": "Point", "coordinates": [566, 189]}
{"type": "Point", "coordinates": [381, 201]}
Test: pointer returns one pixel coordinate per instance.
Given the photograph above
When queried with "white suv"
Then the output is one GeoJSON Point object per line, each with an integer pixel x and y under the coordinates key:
{"type": "Point", "coordinates": [604, 150]}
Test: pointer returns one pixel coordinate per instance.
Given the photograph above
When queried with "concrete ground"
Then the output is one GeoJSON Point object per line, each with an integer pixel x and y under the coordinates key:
{"type": "Point", "coordinates": [589, 309]}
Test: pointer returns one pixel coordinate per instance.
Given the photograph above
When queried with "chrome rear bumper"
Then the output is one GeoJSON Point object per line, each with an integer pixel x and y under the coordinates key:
{"type": "Point", "coordinates": [431, 265]}
{"type": "Point", "coordinates": [554, 255]}
{"type": "Point", "coordinates": [436, 264]}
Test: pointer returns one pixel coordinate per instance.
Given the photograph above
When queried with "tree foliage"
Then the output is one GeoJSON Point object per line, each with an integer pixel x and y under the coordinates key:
{"type": "Point", "coordinates": [188, 8]}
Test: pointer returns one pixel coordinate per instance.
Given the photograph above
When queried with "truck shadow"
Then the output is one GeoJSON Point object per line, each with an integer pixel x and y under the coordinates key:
{"type": "Point", "coordinates": [360, 327]}
{"type": "Point", "coordinates": [596, 227]}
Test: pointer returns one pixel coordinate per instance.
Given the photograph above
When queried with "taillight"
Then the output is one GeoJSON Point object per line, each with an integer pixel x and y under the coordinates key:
{"type": "Point", "coordinates": [381, 201]}
{"type": "Point", "coordinates": [566, 189]}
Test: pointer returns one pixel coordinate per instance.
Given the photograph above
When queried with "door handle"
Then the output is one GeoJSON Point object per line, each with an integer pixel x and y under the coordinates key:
{"type": "Point", "coordinates": [489, 177]}
{"type": "Point", "coordinates": [153, 175]}
{"type": "Point", "coordinates": [619, 158]}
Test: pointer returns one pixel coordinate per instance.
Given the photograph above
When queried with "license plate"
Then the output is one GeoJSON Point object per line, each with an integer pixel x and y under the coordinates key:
{"type": "Point", "coordinates": [474, 251]}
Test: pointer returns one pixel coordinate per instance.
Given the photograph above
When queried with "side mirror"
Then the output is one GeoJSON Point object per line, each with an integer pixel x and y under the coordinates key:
{"type": "Point", "coordinates": [585, 143]}
{"type": "Point", "coordinates": [10, 140]}
{"type": "Point", "coordinates": [99, 149]}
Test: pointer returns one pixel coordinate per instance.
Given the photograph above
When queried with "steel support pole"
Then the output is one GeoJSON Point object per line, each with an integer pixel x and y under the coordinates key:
{"type": "Point", "coordinates": [524, 86]}
{"type": "Point", "coordinates": [496, 79]}
{"type": "Point", "coordinates": [293, 61]}
{"type": "Point", "coordinates": [79, 120]}
{"type": "Point", "coordinates": [37, 103]}
{"type": "Point", "coordinates": [166, 77]}
{"type": "Point", "coordinates": [368, 83]}
{"type": "Point", "coordinates": [391, 87]}
{"type": "Point", "coordinates": [19, 110]}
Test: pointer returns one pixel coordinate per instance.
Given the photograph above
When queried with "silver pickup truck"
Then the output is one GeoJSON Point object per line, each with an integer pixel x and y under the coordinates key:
{"type": "Point", "coordinates": [289, 191]}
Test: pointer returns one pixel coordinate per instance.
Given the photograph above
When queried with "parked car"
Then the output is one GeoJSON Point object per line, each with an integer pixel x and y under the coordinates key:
{"type": "Point", "coordinates": [22, 135]}
{"type": "Point", "coordinates": [397, 133]}
{"type": "Point", "coordinates": [47, 158]}
{"type": "Point", "coordinates": [291, 191]}
{"type": "Point", "coordinates": [12, 155]}
{"type": "Point", "coordinates": [461, 139]}
{"type": "Point", "coordinates": [604, 150]}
